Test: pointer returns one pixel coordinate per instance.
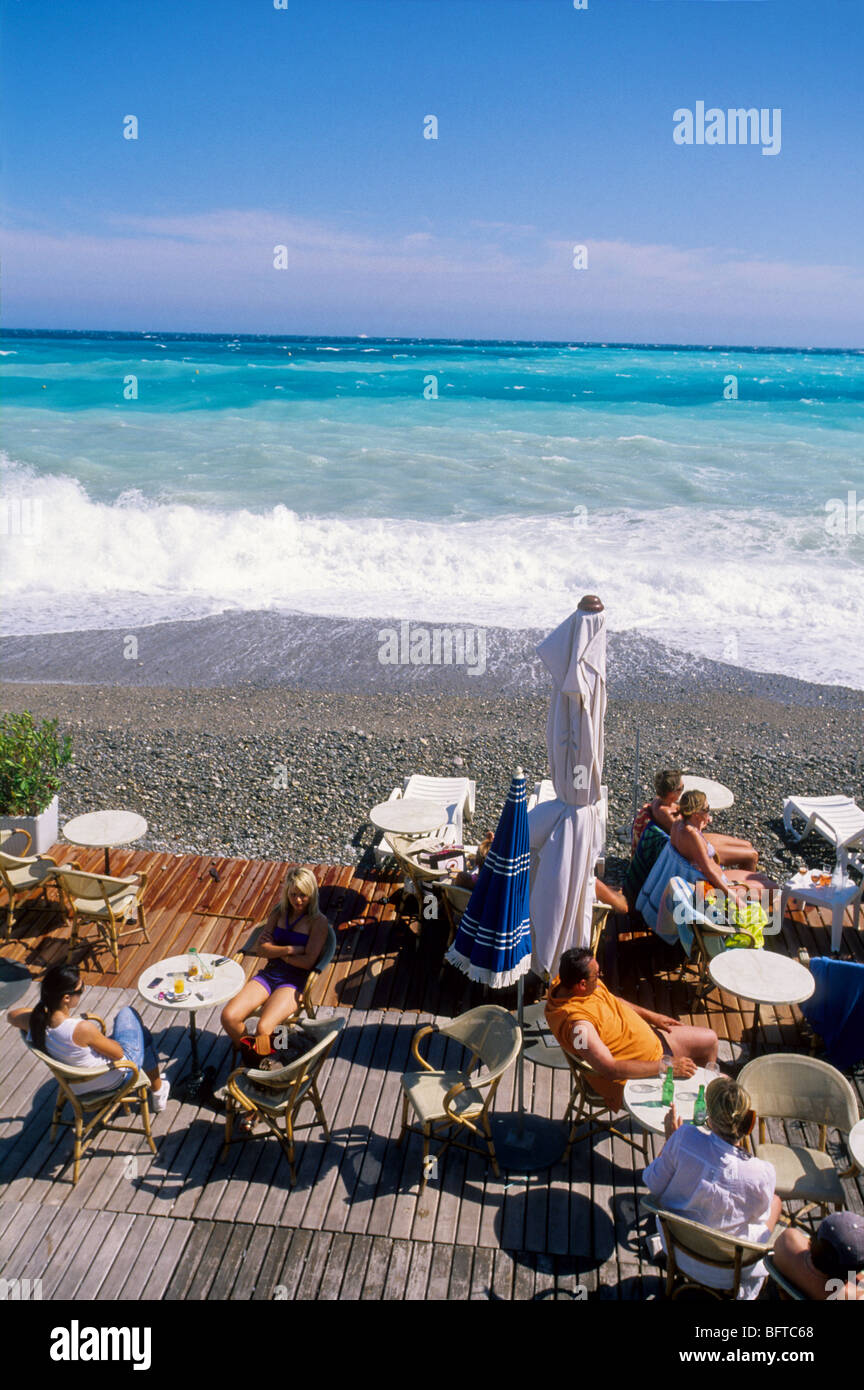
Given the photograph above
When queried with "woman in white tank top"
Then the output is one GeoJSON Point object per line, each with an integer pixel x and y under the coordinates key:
{"type": "Point", "coordinates": [79, 1042]}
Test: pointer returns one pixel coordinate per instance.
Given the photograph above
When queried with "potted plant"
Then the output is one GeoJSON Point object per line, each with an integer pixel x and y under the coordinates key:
{"type": "Point", "coordinates": [31, 756]}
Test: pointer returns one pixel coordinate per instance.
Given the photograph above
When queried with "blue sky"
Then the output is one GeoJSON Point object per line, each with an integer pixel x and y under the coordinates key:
{"type": "Point", "coordinates": [304, 128]}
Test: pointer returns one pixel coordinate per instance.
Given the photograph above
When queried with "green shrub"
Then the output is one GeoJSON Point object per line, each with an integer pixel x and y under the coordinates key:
{"type": "Point", "coordinates": [31, 756]}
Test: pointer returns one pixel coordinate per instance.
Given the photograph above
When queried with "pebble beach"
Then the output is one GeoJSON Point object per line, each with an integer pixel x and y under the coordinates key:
{"type": "Point", "coordinates": [284, 772]}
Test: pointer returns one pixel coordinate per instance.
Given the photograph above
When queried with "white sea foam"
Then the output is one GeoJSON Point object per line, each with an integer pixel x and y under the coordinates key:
{"type": "Point", "coordinates": [735, 586]}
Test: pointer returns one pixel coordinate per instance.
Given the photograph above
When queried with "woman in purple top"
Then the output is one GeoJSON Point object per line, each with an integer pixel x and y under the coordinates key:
{"type": "Point", "coordinates": [292, 941]}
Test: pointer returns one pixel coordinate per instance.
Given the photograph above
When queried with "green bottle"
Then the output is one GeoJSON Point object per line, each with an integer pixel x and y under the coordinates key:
{"type": "Point", "coordinates": [668, 1094]}
{"type": "Point", "coordinates": [699, 1110]}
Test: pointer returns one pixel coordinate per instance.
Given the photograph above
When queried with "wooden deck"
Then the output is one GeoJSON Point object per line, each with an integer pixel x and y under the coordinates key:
{"type": "Point", "coordinates": [182, 1225]}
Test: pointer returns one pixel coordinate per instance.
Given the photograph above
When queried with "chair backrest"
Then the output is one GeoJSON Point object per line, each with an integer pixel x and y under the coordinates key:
{"type": "Point", "coordinates": [490, 1033]}
{"type": "Point", "coordinates": [787, 1290]}
{"type": "Point", "coordinates": [14, 861]}
{"type": "Point", "coordinates": [328, 951]}
{"type": "Point", "coordinates": [79, 884]}
{"type": "Point", "coordinates": [16, 841]}
{"type": "Point", "coordinates": [456, 793]}
{"type": "Point", "coordinates": [67, 1076]}
{"type": "Point", "coordinates": [786, 1086]}
{"type": "Point", "coordinates": [718, 1249]}
{"type": "Point", "coordinates": [458, 898]}
{"type": "Point", "coordinates": [300, 1073]}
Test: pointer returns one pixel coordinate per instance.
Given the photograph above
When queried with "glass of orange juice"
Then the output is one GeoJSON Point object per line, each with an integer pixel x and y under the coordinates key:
{"type": "Point", "coordinates": [179, 984]}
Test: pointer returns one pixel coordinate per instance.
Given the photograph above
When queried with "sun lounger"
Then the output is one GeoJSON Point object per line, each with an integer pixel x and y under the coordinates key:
{"type": "Point", "coordinates": [838, 819]}
{"type": "Point", "coordinates": [455, 793]}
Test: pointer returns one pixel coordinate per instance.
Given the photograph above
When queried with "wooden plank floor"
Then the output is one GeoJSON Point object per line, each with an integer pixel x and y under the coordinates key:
{"type": "Point", "coordinates": [184, 1225]}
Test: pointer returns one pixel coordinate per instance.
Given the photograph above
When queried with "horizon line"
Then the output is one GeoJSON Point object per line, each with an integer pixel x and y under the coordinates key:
{"type": "Point", "coordinates": [191, 334]}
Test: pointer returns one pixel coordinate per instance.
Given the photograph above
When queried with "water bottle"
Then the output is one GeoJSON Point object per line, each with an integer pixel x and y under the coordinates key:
{"type": "Point", "coordinates": [193, 965]}
{"type": "Point", "coordinates": [667, 1095]}
{"type": "Point", "coordinates": [699, 1109]}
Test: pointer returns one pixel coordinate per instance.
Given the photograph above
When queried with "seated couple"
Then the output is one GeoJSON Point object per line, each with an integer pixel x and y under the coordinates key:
{"type": "Point", "coordinates": [664, 811]}
{"type": "Point", "coordinates": [618, 1040]}
{"type": "Point", "coordinates": [689, 853]}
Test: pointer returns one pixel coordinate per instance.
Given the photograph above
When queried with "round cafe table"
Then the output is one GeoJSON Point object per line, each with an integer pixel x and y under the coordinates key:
{"type": "Point", "coordinates": [408, 816]}
{"type": "Point", "coordinates": [104, 829]}
{"type": "Point", "coordinates": [643, 1098]}
{"type": "Point", "coordinates": [156, 986]}
{"type": "Point", "coordinates": [719, 797]}
{"type": "Point", "coordinates": [761, 977]}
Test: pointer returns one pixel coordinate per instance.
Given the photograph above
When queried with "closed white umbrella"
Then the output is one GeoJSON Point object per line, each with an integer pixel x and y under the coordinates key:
{"type": "Point", "coordinates": [566, 834]}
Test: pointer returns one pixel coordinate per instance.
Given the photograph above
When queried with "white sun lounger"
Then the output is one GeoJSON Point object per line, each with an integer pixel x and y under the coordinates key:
{"type": "Point", "coordinates": [838, 819]}
{"type": "Point", "coordinates": [456, 793]}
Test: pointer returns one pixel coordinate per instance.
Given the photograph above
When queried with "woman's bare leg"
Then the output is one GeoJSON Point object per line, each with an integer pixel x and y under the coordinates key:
{"type": "Point", "coordinates": [238, 1009]}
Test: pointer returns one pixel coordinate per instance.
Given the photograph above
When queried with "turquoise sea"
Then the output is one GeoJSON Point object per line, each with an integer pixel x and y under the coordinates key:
{"type": "Point", "coordinates": [714, 497]}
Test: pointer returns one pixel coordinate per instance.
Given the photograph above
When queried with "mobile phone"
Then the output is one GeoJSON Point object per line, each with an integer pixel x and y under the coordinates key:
{"type": "Point", "coordinates": [154, 983]}
{"type": "Point", "coordinates": [223, 960]}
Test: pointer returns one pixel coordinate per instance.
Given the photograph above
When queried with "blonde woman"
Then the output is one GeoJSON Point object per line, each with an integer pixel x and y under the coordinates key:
{"type": "Point", "coordinates": [711, 1178]}
{"type": "Point", "coordinates": [292, 941]}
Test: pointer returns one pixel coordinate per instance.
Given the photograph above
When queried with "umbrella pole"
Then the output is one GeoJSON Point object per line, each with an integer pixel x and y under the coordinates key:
{"type": "Point", "coordinates": [526, 1143]}
{"type": "Point", "coordinates": [520, 1081]}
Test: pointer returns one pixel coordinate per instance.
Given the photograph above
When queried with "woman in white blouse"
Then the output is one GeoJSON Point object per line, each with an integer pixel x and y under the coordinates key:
{"type": "Point", "coordinates": [710, 1178]}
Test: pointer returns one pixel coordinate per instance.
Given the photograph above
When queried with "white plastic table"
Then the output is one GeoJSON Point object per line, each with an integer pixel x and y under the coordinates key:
{"type": "Point", "coordinates": [719, 797]}
{"type": "Point", "coordinates": [837, 899]}
{"type": "Point", "coordinates": [156, 986]}
{"type": "Point", "coordinates": [855, 1144]}
{"type": "Point", "coordinates": [761, 977]}
{"type": "Point", "coordinates": [104, 829]}
{"type": "Point", "coordinates": [642, 1098]}
{"type": "Point", "coordinates": [409, 816]}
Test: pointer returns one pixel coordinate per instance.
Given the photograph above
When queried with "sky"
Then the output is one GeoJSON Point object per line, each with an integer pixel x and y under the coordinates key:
{"type": "Point", "coordinates": [303, 128]}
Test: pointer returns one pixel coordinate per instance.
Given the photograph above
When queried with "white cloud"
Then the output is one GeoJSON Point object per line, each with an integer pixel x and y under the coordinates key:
{"type": "Point", "coordinates": [216, 270]}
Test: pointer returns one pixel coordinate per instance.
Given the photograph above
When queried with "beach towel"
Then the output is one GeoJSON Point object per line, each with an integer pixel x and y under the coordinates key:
{"type": "Point", "coordinates": [835, 1009]}
{"type": "Point", "coordinates": [669, 864]}
{"type": "Point", "coordinates": [650, 845]}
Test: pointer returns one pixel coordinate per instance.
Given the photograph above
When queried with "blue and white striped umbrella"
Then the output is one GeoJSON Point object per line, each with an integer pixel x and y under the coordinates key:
{"type": "Point", "coordinates": [493, 940]}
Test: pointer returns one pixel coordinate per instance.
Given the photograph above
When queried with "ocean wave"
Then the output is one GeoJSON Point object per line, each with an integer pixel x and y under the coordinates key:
{"type": "Point", "coordinates": [730, 585]}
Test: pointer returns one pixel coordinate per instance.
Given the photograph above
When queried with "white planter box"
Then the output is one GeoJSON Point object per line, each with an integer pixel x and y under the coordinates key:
{"type": "Point", "coordinates": [43, 828]}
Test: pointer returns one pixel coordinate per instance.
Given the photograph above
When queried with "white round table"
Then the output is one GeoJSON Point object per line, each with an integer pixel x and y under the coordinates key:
{"type": "Point", "coordinates": [156, 986]}
{"type": "Point", "coordinates": [104, 829]}
{"type": "Point", "coordinates": [761, 977]}
{"type": "Point", "coordinates": [408, 816]}
{"type": "Point", "coordinates": [643, 1098]}
{"type": "Point", "coordinates": [855, 1143]}
{"type": "Point", "coordinates": [719, 797]}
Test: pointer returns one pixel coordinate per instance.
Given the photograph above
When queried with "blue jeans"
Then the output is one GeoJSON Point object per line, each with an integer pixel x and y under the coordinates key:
{"type": "Point", "coordinates": [135, 1039]}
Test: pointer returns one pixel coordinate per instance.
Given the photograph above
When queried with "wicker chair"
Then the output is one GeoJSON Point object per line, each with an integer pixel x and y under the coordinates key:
{"type": "Point", "coordinates": [587, 1107]}
{"type": "Point", "coordinates": [269, 1096]}
{"type": "Point", "coordinates": [789, 1087]}
{"type": "Point", "coordinates": [21, 873]}
{"type": "Point", "coordinates": [717, 1249]}
{"type": "Point", "coordinates": [109, 902]}
{"type": "Point", "coordinates": [451, 1102]}
{"type": "Point", "coordinates": [99, 1105]}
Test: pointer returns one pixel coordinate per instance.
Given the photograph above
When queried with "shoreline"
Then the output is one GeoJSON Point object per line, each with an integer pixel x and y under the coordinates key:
{"type": "Point", "coordinates": [286, 773]}
{"type": "Point", "coordinates": [398, 658]}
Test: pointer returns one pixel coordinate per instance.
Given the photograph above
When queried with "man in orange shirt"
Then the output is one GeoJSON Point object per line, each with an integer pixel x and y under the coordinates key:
{"type": "Point", "coordinates": [618, 1040]}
